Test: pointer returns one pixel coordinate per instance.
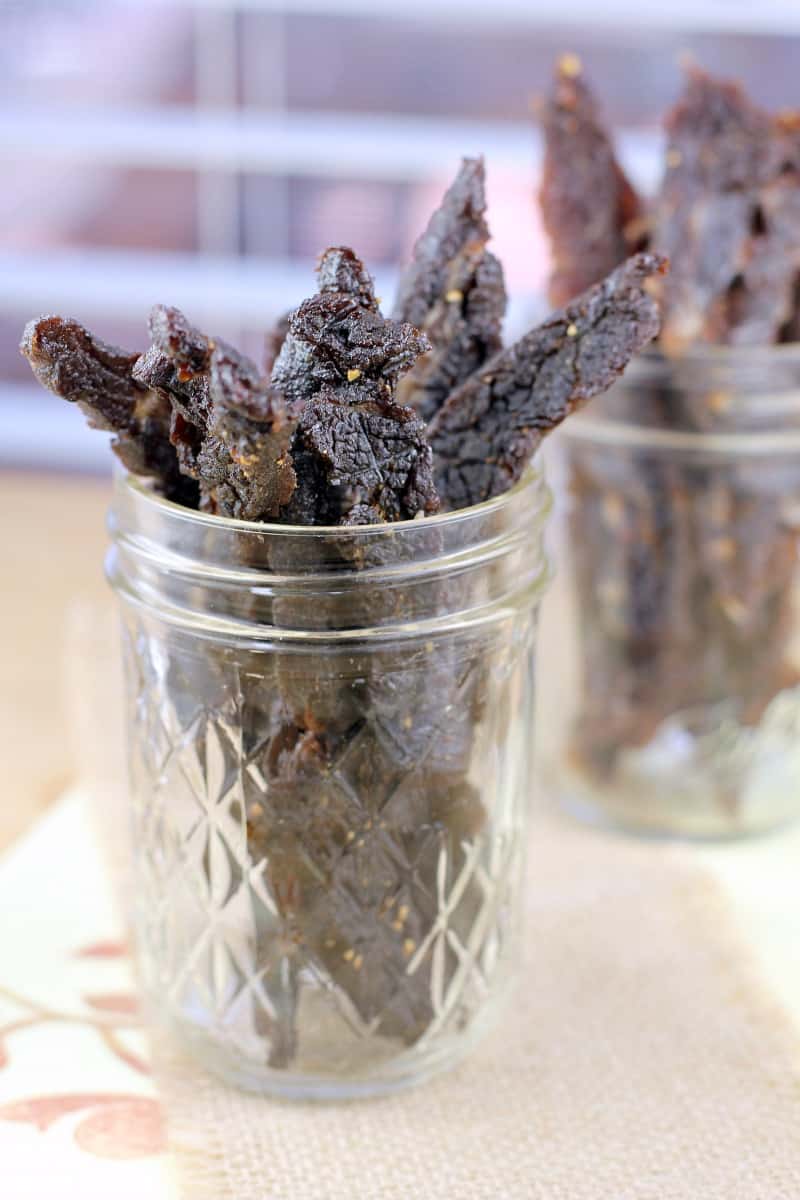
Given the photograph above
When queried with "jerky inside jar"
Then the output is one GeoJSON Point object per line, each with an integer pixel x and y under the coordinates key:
{"type": "Point", "coordinates": [331, 773]}
{"type": "Point", "coordinates": [329, 660]}
{"type": "Point", "coordinates": [681, 709]}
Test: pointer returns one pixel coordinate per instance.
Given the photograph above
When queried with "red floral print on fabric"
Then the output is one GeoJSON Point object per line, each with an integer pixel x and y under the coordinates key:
{"type": "Point", "coordinates": [115, 1011]}
{"type": "Point", "coordinates": [113, 1003]}
{"type": "Point", "coordinates": [102, 950]}
{"type": "Point", "coordinates": [118, 1127]}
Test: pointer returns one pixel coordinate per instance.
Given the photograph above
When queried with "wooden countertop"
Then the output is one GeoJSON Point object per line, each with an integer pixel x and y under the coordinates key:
{"type": "Point", "coordinates": [52, 532]}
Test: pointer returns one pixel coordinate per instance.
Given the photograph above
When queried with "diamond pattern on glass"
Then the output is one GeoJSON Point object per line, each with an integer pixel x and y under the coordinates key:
{"type": "Point", "coordinates": [359, 921]}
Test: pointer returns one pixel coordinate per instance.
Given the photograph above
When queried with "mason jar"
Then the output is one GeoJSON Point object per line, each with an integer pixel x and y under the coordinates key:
{"type": "Point", "coordinates": [678, 693]}
{"type": "Point", "coordinates": [329, 734]}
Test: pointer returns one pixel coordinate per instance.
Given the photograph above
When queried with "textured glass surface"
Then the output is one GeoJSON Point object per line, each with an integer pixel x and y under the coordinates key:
{"type": "Point", "coordinates": [328, 822]}
{"type": "Point", "coordinates": [683, 594]}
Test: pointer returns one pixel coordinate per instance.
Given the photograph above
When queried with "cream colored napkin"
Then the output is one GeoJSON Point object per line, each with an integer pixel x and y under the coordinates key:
{"type": "Point", "coordinates": [640, 1060]}
{"type": "Point", "coordinates": [79, 1117]}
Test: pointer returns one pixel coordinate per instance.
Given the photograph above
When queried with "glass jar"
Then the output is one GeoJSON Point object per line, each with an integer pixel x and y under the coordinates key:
{"type": "Point", "coordinates": [329, 753]}
{"type": "Point", "coordinates": [679, 709]}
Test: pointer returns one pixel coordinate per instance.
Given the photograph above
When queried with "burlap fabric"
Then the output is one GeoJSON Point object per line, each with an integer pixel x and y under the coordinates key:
{"type": "Point", "coordinates": [641, 1059]}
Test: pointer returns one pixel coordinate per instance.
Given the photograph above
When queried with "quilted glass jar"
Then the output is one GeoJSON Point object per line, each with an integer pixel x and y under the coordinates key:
{"type": "Point", "coordinates": [329, 742]}
{"type": "Point", "coordinates": [678, 694]}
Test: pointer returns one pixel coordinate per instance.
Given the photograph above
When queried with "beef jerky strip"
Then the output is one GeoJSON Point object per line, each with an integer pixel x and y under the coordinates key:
{"type": "Point", "coordinates": [352, 864]}
{"type": "Point", "coordinates": [359, 462]}
{"type": "Point", "coordinates": [185, 346]}
{"type": "Point", "coordinates": [453, 290]}
{"type": "Point", "coordinates": [348, 342]}
{"type": "Point", "coordinates": [250, 420]}
{"type": "Point", "coordinates": [77, 366]}
{"type": "Point", "coordinates": [487, 431]}
{"type": "Point", "coordinates": [463, 327]}
{"type": "Point", "coordinates": [590, 211]}
{"type": "Point", "coordinates": [413, 752]}
{"type": "Point", "coordinates": [340, 270]}
{"type": "Point", "coordinates": [707, 212]}
{"type": "Point", "coordinates": [298, 371]}
{"type": "Point", "coordinates": [764, 304]}
{"type": "Point", "coordinates": [177, 364]}
{"type": "Point", "coordinates": [359, 457]}
{"type": "Point", "coordinates": [733, 184]}
{"type": "Point", "coordinates": [458, 221]}
{"type": "Point", "coordinates": [230, 429]}
{"type": "Point", "coordinates": [635, 573]}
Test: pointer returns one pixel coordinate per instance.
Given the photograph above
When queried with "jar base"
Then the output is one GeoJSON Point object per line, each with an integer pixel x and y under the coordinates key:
{"type": "Point", "coordinates": [641, 815]}
{"type": "Point", "coordinates": [409, 1070]}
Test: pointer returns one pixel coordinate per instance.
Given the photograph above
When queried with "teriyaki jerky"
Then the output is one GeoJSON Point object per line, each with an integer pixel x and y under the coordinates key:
{"type": "Point", "coordinates": [728, 216]}
{"type": "Point", "coordinates": [300, 368]}
{"type": "Point", "coordinates": [684, 569]}
{"type": "Point", "coordinates": [489, 428]}
{"type": "Point", "coordinates": [360, 462]}
{"type": "Point", "coordinates": [454, 291]}
{"type": "Point", "coordinates": [231, 430]}
{"type": "Point", "coordinates": [591, 212]}
{"type": "Point", "coordinates": [360, 780]}
{"type": "Point", "coordinates": [77, 366]}
{"type": "Point", "coordinates": [459, 220]}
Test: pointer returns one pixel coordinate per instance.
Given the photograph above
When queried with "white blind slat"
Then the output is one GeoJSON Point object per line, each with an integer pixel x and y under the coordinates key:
{"type": "Point", "coordinates": [392, 148]}
{"type": "Point", "coordinates": [695, 16]}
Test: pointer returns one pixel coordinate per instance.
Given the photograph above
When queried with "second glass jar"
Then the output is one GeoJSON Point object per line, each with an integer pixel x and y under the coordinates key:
{"type": "Point", "coordinates": [681, 597]}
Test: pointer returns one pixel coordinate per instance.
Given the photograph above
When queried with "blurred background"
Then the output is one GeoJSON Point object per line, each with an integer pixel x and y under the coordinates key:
{"type": "Point", "coordinates": [203, 152]}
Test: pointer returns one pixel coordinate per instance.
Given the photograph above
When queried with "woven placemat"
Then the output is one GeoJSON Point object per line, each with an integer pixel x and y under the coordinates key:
{"type": "Point", "coordinates": [641, 1059]}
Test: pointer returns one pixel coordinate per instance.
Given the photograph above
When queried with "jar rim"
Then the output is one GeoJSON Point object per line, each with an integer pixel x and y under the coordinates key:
{"type": "Point", "coordinates": [764, 420]}
{"type": "Point", "coordinates": [145, 493]}
{"type": "Point", "coordinates": [226, 578]}
{"type": "Point", "coordinates": [748, 443]}
{"type": "Point", "coordinates": [716, 354]}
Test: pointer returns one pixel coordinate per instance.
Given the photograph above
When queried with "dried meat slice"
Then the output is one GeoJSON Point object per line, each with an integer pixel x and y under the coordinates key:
{"type": "Point", "coordinates": [707, 214]}
{"type": "Point", "coordinates": [763, 302]}
{"type": "Point", "coordinates": [464, 327]}
{"type": "Point", "coordinates": [340, 270]}
{"type": "Point", "coordinates": [350, 343]}
{"type": "Point", "coordinates": [200, 457]}
{"type": "Point", "coordinates": [458, 221]}
{"type": "Point", "coordinates": [488, 429]}
{"type": "Point", "coordinates": [250, 421]}
{"type": "Point", "coordinates": [183, 344]}
{"type": "Point", "coordinates": [590, 210]}
{"type": "Point", "coordinates": [230, 430]}
{"type": "Point", "coordinates": [359, 462]}
{"type": "Point", "coordinates": [177, 363]}
{"type": "Point", "coordinates": [453, 291]}
{"type": "Point", "coordinates": [77, 366]}
{"type": "Point", "coordinates": [301, 367]}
